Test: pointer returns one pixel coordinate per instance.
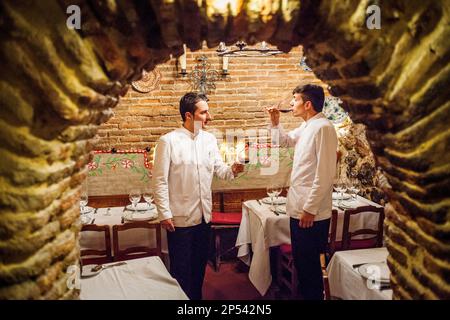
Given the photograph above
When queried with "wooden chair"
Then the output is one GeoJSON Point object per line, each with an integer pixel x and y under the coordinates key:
{"type": "Point", "coordinates": [138, 251]}
{"type": "Point", "coordinates": [96, 256]}
{"type": "Point", "coordinates": [222, 222]}
{"type": "Point", "coordinates": [333, 244]}
{"type": "Point", "coordinates": [348, 241]}
{"type": "Point", "coordinates": [286, 272]}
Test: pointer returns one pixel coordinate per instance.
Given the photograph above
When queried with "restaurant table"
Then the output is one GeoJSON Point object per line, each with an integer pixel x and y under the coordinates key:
{"type": "Point", "coordinates": [347, 283]}
{"type": "Point", "coordinates": [261, 229]}
{"type": "Point", "coordinates": [138, 279]}
{"type": "Point", "coordinates": [132, 237]}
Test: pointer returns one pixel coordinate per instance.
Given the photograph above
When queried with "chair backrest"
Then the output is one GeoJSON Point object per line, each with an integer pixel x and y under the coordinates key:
{"type": "Point", "coordinates": [96, 256]}
{"type": "Point", "coordinates": [332, 235]}
{"type": "Point", "coordinates": [347, 235]}
{"type": "Point", "coordinates": [131, 252]}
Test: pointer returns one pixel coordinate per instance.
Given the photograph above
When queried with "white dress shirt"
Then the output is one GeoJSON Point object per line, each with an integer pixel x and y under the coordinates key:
{"type": "Point", "coordinates": [313, 168]}
{"type": "Point", "coordinates": [182, 176]}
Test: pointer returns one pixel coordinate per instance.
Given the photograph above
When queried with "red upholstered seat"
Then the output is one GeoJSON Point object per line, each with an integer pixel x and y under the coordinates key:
{"type": "Point", "coordinates": [226, 217]}
{"type": "Point", "coordinates": [286, 248]}
{"type": "Point", "coordinates": [221, 223]}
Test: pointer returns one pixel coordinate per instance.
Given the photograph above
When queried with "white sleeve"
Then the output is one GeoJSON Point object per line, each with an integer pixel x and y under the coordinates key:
{"type": "Point", "coordinates": [160, 178]}
{"type": "Point", "coordinates": [221, 170]}
{"type": "Point", "coordinates": [325, 147]}
{"type": "Point", "coordinates": [280, 137]}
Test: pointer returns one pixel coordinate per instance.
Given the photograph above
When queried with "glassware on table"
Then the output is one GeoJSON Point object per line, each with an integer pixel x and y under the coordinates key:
{"type": "Point", "coordinates": [148, 197]}
{"type": "Point", "coordinates": [353, 190]}
{"type": "Point", "coordinates": [271, 194]}
{"type": "Point", "coordinates": [135, 197]}
{"type": "Point", "coordinates": [273, 191]}
{"type": "Point", "coordinates": [340, 187]}
{"type": "Point", "coordinates": [277, 191]}
{"type": "Point", "coordinates": [83, 202]}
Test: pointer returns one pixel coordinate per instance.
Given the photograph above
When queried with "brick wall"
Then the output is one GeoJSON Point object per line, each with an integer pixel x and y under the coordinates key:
{"type": "Point", "coordinates": [141, 118]}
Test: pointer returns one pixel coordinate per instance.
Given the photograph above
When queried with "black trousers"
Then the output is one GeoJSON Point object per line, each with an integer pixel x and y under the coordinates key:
{"type": "Point", "coordinates": [188, 253]}
{"type": "Point", "coordinates": [307, 245]}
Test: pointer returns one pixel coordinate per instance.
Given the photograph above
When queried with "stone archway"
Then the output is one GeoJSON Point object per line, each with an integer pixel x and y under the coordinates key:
{"type": "Point", "coordinates": [58, 84]}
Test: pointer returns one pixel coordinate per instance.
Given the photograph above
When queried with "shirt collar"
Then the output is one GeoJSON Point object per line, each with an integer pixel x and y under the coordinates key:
{"type": "Point", "coordinates": [189, 133]}
{"type": "Point", "coordinates": [319, 115]}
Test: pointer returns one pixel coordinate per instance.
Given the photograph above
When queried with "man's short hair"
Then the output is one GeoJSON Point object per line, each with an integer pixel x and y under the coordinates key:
{"type": "Point", "coordinates": [313, 93]}
{"type": "Point", "coordinates": [188, 101]}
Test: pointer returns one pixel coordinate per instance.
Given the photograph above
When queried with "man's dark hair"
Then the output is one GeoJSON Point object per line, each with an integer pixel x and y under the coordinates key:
{"type": "Point", "coordinates": [313, 93]}
{"type": "Point", "coordinates": [188, 101]}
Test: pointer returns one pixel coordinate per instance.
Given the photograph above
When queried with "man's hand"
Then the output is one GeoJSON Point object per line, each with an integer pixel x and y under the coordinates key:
{"type": "Point", "coordinates": [168, 225]}
{"type": "Point", "coordinates": [237, 168]}
{"type": "Point", "coordinates": [306, 220]}
{"type": "Point", "coordinates": [274, 114]}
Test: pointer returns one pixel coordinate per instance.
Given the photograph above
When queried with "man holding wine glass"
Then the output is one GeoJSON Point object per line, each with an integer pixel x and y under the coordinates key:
{"type": "Point", "coordinates": [309, 200]}
{"type": "Point", "coordinates": [185, 161]}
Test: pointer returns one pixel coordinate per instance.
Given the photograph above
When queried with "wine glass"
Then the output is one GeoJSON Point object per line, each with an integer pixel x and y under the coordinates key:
{"type": "Point", "coordinates": [271, 193]}
{"type": "Point", "coordinates": [148, 197]}
{"type": "Point", "coordinates": [276, 192]}
{"type": "Point", "coordinates": [135, 197]}
{"type": "Point", "coordinates": [353, 190]}
{"type": "Point", "coordinates": [83, 202]}
{"type": "Point", "coordinates": [339, 187]}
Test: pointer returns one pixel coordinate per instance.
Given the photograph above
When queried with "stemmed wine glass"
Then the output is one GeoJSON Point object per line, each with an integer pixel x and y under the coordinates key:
{"type": "Point", "coordinates": [340, 188]}
{"type": "Point", "coordinates": [271, 193]}
{"type": "Point", "coordinates": [135, 197]}
{"type": "Point", "coordinates": [353, 190]}
{"type": "Point", "coordinates": [83, 202]}
{"type": "Point", "coordinates": [148, 197]}
{"type": "Point", "coordinates": [277, 191]}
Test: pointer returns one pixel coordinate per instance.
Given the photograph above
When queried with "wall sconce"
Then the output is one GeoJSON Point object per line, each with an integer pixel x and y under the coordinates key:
{"type": "Point", "coordinates": [225, 66]}
{"type": "Point", "coordinates": [243, 51]}
{"type": "Point", "coordinates": [203, 78]}
{"type": "Point", "coordinates": [183, 62]}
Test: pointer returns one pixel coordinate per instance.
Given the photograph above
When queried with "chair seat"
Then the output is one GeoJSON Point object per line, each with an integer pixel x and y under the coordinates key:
{"type": "Point", "coordinates": [226, 217]}
{"type": "Point", "coordinates": [363, 243]}
{"type": "Point", "coordinates": [286, 248]}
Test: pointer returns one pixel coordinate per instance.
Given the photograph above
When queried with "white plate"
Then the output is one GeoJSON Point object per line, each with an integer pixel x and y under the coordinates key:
{"type": "Point", "coordinates": [281, 209]}
{"type": "Point", "coordinates": [377, 271]}
{"type": "Point", "coordinates": [87, 271]}
{"type": "Point", "coordinates": [345, 205]}
{"type": "Point", "coordinates": [279, 200]}
{"type": "Point", "coordinates": [337, 196]}
{"type": "Point", "coordinates": [141, 206]}
{"type": "Point", "coordinates": [86, 210]}
{"type": "Point", "coordinates": [141, 216]}
{"type": "Point", "coordinates": [86, 218]}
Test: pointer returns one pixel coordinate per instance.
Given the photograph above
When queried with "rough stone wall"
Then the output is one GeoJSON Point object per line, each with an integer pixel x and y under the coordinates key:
{"type": "Point", "coordinates": [393, 80]}
{"type": "Point", "coordinates": [58, 84]}
{"type": "Point", "coordinates": [357, 166]}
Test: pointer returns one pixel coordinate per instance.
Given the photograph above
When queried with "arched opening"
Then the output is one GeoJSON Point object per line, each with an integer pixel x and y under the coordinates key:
{"type": "Point", "coordinates": [58, 84]}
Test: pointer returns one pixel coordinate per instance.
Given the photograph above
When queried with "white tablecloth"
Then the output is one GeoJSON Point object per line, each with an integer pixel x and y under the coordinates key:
{"type": "Point", "coordinates": [139, 279]}
{"type": "Point", "coordinates": [261, 229]}
{"type": "Point", "coordinates": [94, 240]}
{"type": "Point", "coordinates": [346, 282]}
